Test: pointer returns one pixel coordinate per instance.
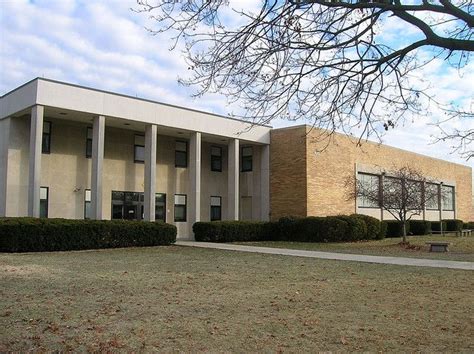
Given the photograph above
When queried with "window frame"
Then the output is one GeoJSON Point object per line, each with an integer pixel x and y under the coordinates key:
{"type": "Point", "coordinates": [48, 134]}
{"type": "Point", "coordinates": [177, 152]}
{"type": "Point", "coordinates": [453, 198]}
{"type": "Point", "coordinates": [437, 196]}
{"type": "Point", "coordinates": [360, 198]}
{"type": "Point", "coordinates": [246, 158]}
{"type": "Point", "coordinates": [156, 204]}
{"type": "Point", "coordinates": [185, 205]}
{"type": "Point", "coordinates": [216, 206]}
{"type": "Point", "coordinates": [216, 158]}
{"type": "Point", "coordinates": [47, 202]}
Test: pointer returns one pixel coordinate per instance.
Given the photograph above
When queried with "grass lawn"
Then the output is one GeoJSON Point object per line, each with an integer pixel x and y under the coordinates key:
{"type": "Point", "coordinates": [186, 299]}
{"type": "Point", "coordinates": [461, 248]}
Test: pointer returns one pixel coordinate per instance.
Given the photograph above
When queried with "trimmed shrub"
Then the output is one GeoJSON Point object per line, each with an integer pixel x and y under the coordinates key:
{"type": "Point", "coordinates": [375, 230]}
{"type": "Point", "coordinates": [310, 229]}
{"type": "Point", "coordinates": [357, 228]}
{"type": "Point", "coordinates": [420, 227]}
{"type": "Point", "coordinates": [231, 231]}
{"type": "Point", "coordinates": [39, 235]}
{"type": "Point", "coordinates": [395, 228]}
{"type": "Point", "coordinates": [436, 226]}
{"type": "Point", "coordinates": [453, 224]}
{"type": "Point", "coordinates": [468, 225]}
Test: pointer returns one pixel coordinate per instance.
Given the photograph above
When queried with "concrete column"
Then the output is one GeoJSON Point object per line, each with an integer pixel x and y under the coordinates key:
{"type": "Point", "coordinates": [98, 139]}
{"type": "Point", "coordinates": [233, 181]}
{"type": "Point", "coordinates": [4, 143]}
{"type": "Point", "coordinates": [150, 171]}
{"type": "Point", "coordinates": [34, 177]}
{"type": "Point", "coordinates": [265, 182]}
{"type": "Point", "coordinates": [195, 176]}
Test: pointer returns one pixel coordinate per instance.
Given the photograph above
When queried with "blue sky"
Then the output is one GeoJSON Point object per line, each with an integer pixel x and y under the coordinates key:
{"type": "Point", "coordinates": [103, 44]}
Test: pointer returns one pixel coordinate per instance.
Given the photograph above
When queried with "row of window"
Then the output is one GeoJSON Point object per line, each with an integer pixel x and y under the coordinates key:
{"type": "Point", "coordinates": [181, 151]}
{"type": "Point", "coordinates": [372, 183]}
{"type": "Point", "coordinates": [130, 206]}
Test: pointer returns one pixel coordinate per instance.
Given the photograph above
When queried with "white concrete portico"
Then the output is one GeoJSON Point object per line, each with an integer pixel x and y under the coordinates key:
{"type": "Point", "coordinates": [68, 151]}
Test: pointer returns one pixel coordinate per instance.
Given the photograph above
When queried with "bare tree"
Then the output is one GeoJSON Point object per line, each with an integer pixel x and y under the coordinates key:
{"type": "Point", "coordinates": [404, 193]}
{"type": "Point", "coordinates": [325, 62]}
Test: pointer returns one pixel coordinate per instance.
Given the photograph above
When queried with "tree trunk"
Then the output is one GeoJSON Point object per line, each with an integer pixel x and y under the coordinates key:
{"type": "Point", "coordinates": [404, 231]}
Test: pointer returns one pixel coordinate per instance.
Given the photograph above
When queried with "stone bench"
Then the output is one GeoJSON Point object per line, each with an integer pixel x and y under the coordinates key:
{"type": "Point", "coordinates": [438, 246]}
{"type": "Point", "coordinates": [464, 232]}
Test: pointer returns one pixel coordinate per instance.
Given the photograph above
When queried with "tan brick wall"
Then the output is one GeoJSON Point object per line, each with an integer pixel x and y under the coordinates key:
{"type": "Point", "coordinates": [327, 171]}
{"type": "Point", "coordinates": [288, 173]}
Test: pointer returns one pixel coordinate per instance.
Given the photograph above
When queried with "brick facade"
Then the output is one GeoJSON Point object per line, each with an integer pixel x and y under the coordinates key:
{"type": "Point", "coordinates": [308, 177]}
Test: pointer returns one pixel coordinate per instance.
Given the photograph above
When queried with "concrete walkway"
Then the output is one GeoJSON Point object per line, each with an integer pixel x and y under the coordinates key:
{"type": "Point", "coordinates": [417, 262]}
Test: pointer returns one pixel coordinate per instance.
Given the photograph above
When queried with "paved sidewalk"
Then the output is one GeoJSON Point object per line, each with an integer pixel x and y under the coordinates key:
{"type": "Point", "coordinates": [417, 262]}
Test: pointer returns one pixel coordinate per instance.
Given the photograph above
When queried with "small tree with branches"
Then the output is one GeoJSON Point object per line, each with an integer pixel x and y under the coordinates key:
{"type": "Point", "coordinates": [404, 193]}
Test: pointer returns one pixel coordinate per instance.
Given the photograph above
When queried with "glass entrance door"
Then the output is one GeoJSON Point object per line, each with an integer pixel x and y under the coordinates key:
{"type": "Point", "coordinates": [130, 205]}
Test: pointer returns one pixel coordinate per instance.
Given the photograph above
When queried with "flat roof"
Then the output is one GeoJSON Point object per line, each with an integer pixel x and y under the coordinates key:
{"type": "Point", "coordinates": [131, 97]}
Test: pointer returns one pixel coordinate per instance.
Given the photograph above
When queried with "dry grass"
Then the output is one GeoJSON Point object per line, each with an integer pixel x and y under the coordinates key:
{"type": "Point", "coordinates": [461, 248]}
{"type": "Point", "coordinates": [187, 299]}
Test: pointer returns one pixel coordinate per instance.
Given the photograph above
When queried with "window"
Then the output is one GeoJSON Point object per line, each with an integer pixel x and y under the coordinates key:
{"type": "Point", "coordinates": [44, 196]}
{"type": "Point", "coordinates": [247, 159]}
{"type": "Point", "coordinates": [89, 143]}
{"type": "Point", "coordinates": [414, 195]}
{"type": "Point", "coordinates": [181, 154]}
{"type": "Point", "coordinates": [160, 207]}
{"type": "Point", "coordinates": [216, 159]}
{"type": "Point", "coordinates": [369, 191]}
{"type": "Point", "coordinates": [216, 208]}
{"type": "Point", "coordinates": [447, 193]}
{"type": "Point", "coordinates": [46, 142]}
{"type": "Point", "coordinates": [180, 207]}
{"type": "Point", "coordinates": [432, 196]}
{"type": "Point", "coordinates": [139, 149]}
{"type": "Point", "coordinates": [87, 204]}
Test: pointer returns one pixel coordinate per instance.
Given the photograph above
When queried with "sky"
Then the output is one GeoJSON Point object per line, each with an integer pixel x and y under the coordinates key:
{"type": "Point", "coordinates": [104, 44]}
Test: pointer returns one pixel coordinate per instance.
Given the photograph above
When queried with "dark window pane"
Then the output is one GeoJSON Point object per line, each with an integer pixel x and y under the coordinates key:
{"type": "Point", "coordinates": [117, 211]}
{"type": "Point", "coordinates": [181, 159]}
{"type": "Point", "coordinates": [89, 148]}
{"type": "Point", "coordinates": [87, 210]}
{"type": "Point", "coordinates": [216, 163]}
{"type": "Point", "coordinates": [180, 213]}
{"type": "Point", "coordinates": [118, 196]}
{"type": "Point", "coordinates": [45, 145]}
{"type": "Point", "coordinates": [215, 213]}
{"type": "Point", "coordinates": [246, 163]}
{"type": "Point", "coordinates": [160, 214]}
{"type": "Point", "coordinates": [43, 209]}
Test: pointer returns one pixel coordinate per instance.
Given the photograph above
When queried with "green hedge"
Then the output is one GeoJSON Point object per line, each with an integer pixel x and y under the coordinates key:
{"type": "Point", "coordinates": [468, 225]}
{"type": "Point", "coordinates": [436, 226]}
{"type": "Point", "coordinates": [395, 228]}
{"type": "Point", "coordinates": [420, 227]}
{"type": "Point", "coordinates": [310, 229]}
{"type": "Point", "coordinates": [453, 224]}
{"type": "Point", "coordinates": [38, 235]}
{"type": "Point", "coordinates": [230, 231]}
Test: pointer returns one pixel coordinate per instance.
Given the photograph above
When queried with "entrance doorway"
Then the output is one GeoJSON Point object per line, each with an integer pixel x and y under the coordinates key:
{"type": "Point", "coordinates": [130, 206]}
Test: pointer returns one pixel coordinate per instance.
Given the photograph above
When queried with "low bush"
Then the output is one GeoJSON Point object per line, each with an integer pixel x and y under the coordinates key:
{"type": "Point", "coordinates": [310, 229]}
{"type": "Point", "coordinates": [231, 231]}
{"type": "Point", "coordinates": [38, 235]}
{"type": "Point", "coordinates": [436, 226]}
{"type": "Point", "coordinates": [375, 229]}
{"type": "Point", "coordinates": [468, 225]}
{"type": "Point", "coordinates": [395, 228]}
{"type": "Point", "coordinates": [420, 227]}
{"type": "Point", "coordinates": [453, 224]}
